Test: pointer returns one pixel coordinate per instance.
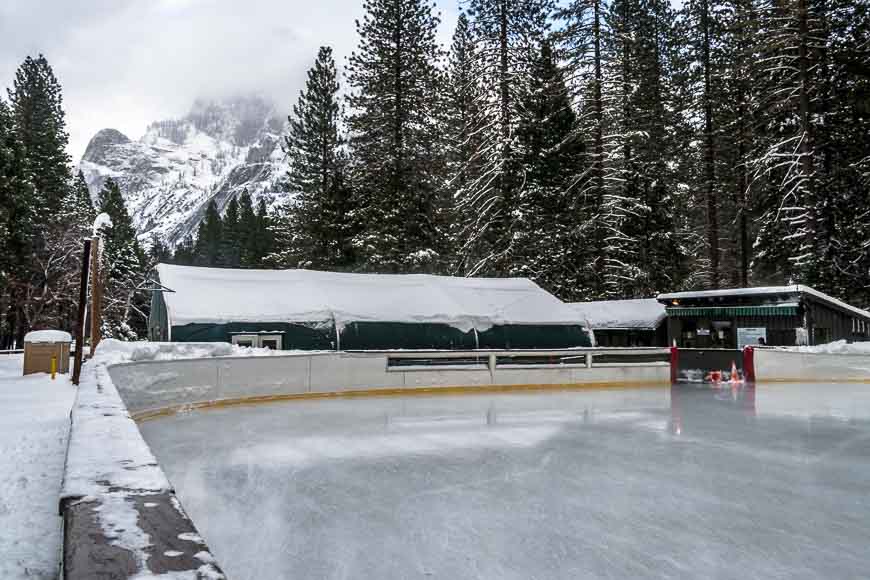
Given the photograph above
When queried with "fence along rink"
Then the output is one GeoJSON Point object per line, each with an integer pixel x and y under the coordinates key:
{"type": "Point", "coordinates": [152, 385]}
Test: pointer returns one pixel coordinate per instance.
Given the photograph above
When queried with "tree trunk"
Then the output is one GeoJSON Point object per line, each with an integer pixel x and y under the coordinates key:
{"type": "Point", "coordinates": [598, 144]}
{"type": "Point", "coordinates": [709, 171]}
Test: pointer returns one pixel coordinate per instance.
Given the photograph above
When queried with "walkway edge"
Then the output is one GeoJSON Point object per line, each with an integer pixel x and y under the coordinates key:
{"type": "Point", "coordinates": [121, 516]}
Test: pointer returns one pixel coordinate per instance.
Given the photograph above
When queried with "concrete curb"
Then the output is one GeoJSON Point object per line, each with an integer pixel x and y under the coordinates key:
{"type": "Point", "coordinates": [121, 518]}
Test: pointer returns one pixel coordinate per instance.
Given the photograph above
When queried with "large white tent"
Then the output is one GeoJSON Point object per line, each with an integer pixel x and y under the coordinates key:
{"type": "Point", "coordinates": [198, 295]}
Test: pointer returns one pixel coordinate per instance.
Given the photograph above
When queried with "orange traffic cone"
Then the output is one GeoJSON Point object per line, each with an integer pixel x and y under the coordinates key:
{"type": "Point", "coordinates": [735, 378]}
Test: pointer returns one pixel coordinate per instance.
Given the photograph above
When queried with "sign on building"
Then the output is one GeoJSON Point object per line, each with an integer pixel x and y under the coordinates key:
{"type": "Point", "coordinates": [750, 336]}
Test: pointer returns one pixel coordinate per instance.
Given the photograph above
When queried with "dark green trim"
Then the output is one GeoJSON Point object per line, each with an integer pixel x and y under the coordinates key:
{"type": "Point", "coordinates": [693, 311]}
{"type": "Point", "coordinates": [392, 335]}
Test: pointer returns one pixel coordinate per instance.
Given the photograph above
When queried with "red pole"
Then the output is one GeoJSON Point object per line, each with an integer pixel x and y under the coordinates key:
{"type": "Point", "coordinates": [749, 364]}
{"type": "Point", "coordinates": [675, 364]}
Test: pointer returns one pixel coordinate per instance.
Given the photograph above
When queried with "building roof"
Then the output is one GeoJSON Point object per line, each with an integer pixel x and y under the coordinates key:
{"type": "Point", "coordinates": [223, 295]}
{"type": "Point", "coordinates": [763, 291]}
{"type": "Point", "coordinates": [646, 313]}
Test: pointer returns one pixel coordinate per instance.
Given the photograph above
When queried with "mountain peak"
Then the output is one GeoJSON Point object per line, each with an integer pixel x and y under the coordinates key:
{"type": "Point", "coordinates": [238, 120]}
{"type": "Point", "coordinates": [168, 177]}
{"type": "Point", "coordinates": [100, 143]}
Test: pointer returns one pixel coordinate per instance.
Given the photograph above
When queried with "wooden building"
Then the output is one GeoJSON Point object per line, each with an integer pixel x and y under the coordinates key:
{"type": "Point", "coordinates": [628, 323]}
{"type": "Point", "coordinates": [775, 316]}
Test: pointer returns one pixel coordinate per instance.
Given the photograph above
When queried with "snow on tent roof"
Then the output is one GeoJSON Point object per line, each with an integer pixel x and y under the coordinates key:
{"type": "Point", "coordinates": [640, 313]}
{"type": "Point", "coordinates": [764, 290]}
{"type": "Point", "coordinates": [222, 295]}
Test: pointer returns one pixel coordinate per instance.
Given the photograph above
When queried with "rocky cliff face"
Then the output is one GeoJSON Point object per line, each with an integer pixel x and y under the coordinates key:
{"type": "Point", "coordinates": [168, 177]}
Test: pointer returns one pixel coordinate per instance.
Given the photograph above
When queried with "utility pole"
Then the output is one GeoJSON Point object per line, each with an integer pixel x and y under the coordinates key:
{"type": "Point", "coordinates": [103, 221]}
{"type": "Point", "coordinates": [96, 294]}
{"type": "Point", "coordinates": [80, 326]}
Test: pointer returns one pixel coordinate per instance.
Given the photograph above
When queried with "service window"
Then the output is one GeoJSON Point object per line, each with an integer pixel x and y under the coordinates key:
{"type": "Point", "coordinates": [246, 340]}
{"type": "Point", "coordinates": [272, 342]}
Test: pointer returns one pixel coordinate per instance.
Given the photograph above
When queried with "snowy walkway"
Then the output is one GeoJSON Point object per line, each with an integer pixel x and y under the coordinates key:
{"type": "Point", "coordinates": [34, 423]}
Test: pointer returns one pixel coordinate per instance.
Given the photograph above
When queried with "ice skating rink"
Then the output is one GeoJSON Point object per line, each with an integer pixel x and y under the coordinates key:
{"type": "Point", "coordinates": [683, 482]}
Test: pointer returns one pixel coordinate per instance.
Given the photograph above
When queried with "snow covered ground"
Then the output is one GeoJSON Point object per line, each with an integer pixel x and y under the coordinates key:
{"type": "Point", "coordinates": [686, 482]}
{"type": "Point", "coordinates": [34, 423]}
{"type": "Point", "coordinates": [837, 347]}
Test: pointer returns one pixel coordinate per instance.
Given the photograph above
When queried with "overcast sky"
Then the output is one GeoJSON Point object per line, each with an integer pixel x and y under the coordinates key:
{"type": "Point", "coordinates": [125, 63]}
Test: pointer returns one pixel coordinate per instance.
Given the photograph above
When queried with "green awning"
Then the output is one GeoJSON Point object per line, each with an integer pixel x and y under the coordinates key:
{"type": "Point", "coordinates": [783, 310]}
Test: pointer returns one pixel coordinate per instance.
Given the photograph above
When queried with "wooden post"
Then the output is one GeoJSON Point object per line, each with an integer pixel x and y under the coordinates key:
{"type": "Point", "coordinates": [96, 294]}
{"type": "Point", "coordinates": [83, 299]}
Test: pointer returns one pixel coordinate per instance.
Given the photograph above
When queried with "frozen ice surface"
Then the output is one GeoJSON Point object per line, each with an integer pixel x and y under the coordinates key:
{"type": "Point", "coordinates": [650, 483]}
{"type": "Point", "coordinates": [34, 423]}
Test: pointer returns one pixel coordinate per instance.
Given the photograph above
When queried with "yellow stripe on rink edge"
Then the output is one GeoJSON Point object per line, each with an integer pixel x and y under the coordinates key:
{"type": "Point", "coordinates": [150, 414]}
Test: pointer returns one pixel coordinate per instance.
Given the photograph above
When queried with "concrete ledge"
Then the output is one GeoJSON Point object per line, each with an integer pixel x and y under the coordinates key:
{"type": "Point", "coordinates": [121, 516]}
{"type": "Point", "coordinates": [175, 545]}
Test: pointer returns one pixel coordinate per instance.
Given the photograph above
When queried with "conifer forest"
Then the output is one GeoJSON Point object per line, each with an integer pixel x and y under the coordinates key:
{"type": "Point", "coordinates": [603, 149]}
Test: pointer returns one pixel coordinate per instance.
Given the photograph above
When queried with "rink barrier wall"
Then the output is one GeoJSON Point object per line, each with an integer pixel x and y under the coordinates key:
{"type": "Point", "coordinates": [155, 388]}
{"type": "Point", "coordinates": [778, 365]}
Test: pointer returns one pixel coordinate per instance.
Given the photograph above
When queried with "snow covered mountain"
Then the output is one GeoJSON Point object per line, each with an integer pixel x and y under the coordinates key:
{"type": "Point", "coordinates": [168, 177]}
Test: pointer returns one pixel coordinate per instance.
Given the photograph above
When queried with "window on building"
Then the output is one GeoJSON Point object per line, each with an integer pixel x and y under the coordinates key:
{"type": "Point", "coordinates": [272, 342]}
{"type": "Point", "coordinates": [246, 340]}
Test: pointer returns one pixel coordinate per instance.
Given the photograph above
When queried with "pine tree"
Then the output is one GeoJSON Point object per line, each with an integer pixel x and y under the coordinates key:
{"type": "Point", "coordinates": [17, 222]}
{"type": "Point", "coordinates": [582, 40]}
{"type": "Point", "coordinates": [44, 279]}
{"type": "Point", "coordinates": [263, 241]}
{"type": "Point", "coordinates": [123, 267]}
{"type": "Point", "coordinates": [460, 127]}
{"type": "Point", "coordinates": [506, 34]}
{"type": "Point", "coordinates": [230, 244]}
{"type": "Point", "coordinates": [209, 237]}
{"type": "Point", "coordinates": [545, 238]}
{"type": "Point", "coordinates": [36, 103]}
{"type": "Point", "coordinates": [650, 221]}
{"type": "Point", "coordinates": [184, 253]}
{"type": "Point", "coordinates": [247, 230]}
{"type": "Point", "coordinates": [639, 209]}
{"type": "Point", "coordinates": [321, 209]}
{"type": "Point", "coordinates": [77, 210]}
{"type": "Point", "coordinates": [395, 137]}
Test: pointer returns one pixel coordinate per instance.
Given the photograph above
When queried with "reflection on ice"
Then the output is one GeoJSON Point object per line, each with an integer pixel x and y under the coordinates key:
{"type": "Point", "coordinates": [689, 482]}
{"type": "Point", "coordinates": [309, 450]}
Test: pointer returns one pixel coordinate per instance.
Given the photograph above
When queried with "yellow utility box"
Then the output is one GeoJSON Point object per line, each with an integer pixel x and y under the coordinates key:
{"type": "Point", "coordinates": [46, 351]}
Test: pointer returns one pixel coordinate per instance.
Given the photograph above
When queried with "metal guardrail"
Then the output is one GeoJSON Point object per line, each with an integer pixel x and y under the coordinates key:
{"type": "Point", "coordinates": [528, 359]}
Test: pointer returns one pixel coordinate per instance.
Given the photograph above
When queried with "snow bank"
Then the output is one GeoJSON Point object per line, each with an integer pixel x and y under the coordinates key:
{"type": "Point", "coordinates": [837, 347]}
{"type": "Point", "coordinates": [223, 295]}
{"type": "Point", "coordinates": [111, 351]}
{"type": "Point", "coordinates": [34, 422]}
{"type": "Point", "coordinates": [47, 336]}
